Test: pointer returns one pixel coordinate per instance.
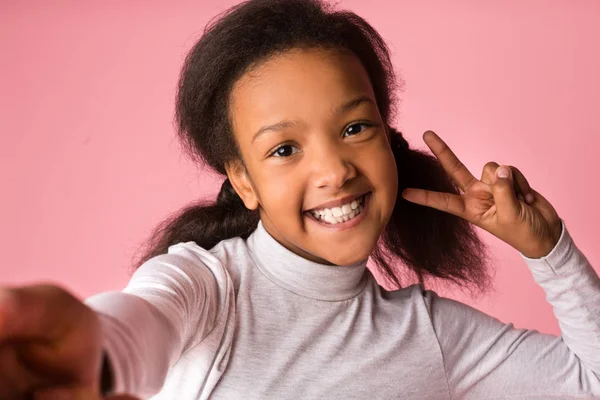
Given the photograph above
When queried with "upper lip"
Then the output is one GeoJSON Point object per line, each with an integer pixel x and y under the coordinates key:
{"type": "Point", "coordinates": [338, 202]}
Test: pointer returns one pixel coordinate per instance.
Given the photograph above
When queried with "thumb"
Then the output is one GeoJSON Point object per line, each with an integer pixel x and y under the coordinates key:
{"type": "Point", "coordinates": [507, 204]}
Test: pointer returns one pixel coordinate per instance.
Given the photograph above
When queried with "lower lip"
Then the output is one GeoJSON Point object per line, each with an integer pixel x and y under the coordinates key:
{"type": "Point", "coordinates": [347, 224]}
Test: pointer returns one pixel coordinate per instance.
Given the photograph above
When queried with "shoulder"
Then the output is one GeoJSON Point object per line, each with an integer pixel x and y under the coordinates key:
{"type": "Point", "coordinates": [438, 307]}
{"type": "Point", "coordinates": [411, 293]}
{"type": "Point", "coordinates": [223, 260]}
{"type": "Point", "coordinates": [452, 317]}
{"type": "Point", "coordinates": [185, 265]}
{"type": "Point", "coordinates": [216, 258]}
{"type": "Point", "coordinates": [412, 299]}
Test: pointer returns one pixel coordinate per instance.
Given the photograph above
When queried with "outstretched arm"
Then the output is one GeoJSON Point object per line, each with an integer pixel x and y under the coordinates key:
{"type": "Point", "coordinates": [169, 305]}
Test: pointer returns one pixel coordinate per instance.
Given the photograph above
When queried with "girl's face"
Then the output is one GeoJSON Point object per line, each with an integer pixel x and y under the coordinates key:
{"type": "Point", "coordinates": [314, 147]}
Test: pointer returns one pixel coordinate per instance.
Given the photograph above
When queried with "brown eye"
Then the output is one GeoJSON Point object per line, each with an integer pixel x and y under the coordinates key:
{"type": "Point", "coordinates": [355, 129]}
{"type": "Point", "coordinates": [285, 151]}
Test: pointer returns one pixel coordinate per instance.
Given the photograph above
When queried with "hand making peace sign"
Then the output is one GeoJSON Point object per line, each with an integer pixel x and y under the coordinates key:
{"type": "Point", "coordinates": [494, 203]}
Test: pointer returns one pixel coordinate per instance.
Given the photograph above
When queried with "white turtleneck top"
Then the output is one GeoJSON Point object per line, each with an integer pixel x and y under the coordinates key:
{"type": "Point", "coordinates": [248, 319]}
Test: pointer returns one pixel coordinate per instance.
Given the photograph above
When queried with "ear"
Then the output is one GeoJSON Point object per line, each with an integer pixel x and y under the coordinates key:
{"type": "Point", "coordinates": [242, 184]}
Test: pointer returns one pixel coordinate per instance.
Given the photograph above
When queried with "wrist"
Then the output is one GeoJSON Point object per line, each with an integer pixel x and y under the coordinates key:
{"type": "Point", "coordinates": [549, 244]}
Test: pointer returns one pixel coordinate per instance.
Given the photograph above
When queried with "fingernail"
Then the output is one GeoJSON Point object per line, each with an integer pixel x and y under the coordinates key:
{"type": "Point", "coordinates": [502, 172]}
{"type": "Point", "coordinates": [529, 197]}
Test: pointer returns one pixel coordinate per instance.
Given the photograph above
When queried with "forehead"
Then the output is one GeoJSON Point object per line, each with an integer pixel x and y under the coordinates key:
{"type": "Point", "coordinates": [297, 84]}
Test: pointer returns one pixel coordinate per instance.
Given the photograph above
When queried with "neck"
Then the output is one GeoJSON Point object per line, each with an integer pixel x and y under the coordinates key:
{"type": "Point", "coordinates": [302, 275]}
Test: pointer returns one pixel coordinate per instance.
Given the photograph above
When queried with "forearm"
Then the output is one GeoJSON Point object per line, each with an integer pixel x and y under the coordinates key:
{"type": "Point", "coordinates": [132, 328]}
{"type": "Point", "coordinates": [572, 287]}
{"type": "Point", "coordinates": [485, 357]}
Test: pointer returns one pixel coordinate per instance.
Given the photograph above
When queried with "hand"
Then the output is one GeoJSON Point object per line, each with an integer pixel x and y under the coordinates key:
{"type": "Point", "coordinates": [50, 342]}
{"type": "Point", "coordinates": [497, 205]}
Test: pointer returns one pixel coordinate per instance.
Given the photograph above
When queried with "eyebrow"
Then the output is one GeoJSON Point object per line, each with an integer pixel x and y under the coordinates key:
{"type": "Point", "coordinates": [347, 106]}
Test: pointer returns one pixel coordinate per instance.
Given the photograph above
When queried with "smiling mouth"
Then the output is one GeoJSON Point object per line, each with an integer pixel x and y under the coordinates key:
{"type": "Point", "coordinates": [338, 215]}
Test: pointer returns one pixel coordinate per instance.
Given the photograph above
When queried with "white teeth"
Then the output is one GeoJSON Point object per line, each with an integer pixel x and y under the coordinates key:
{"type": "Point", "coordinates": [330, 219]}
{"type": "Point", "coordinates": [341, 214]}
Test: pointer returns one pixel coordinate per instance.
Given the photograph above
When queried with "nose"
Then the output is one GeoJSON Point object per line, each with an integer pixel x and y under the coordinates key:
{"type": "Point", "coordinates": [332, 169]}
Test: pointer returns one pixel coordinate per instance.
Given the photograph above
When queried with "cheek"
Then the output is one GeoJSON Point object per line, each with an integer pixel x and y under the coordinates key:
{"type": "Point", "coordinates": [385, 179]}
{"type": "Point", "coordinates": [281, 196]}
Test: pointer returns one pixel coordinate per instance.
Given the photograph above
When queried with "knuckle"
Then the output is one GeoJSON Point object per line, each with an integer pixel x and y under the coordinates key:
{"type": "Point", "coordinates": [447, 201]}
{"type": "Point", "coordinates": [427, 198]}
{"type": "Point", "coordinates": [490, 167]}
{"type": "Point", "coordinates": [501, 185]}
{"type": "Point", "coordinates": [456, 166]}
{"type": "Point", "coordinates": [489, 171]}
{"type": "Point", "coordinates": [516, 172]}
{"type": "Point", "coordinates": [11, 295]}
{"type": "Point", "coordinates": [54, 296]}
{"type": "Point", "coordinates": [49, 291]}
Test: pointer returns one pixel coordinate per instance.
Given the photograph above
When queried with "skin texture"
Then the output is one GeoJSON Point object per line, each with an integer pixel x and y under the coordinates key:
{"type": "Point", "coordinates": [330, 154]}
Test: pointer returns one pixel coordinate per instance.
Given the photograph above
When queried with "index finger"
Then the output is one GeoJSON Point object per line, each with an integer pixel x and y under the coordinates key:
{"type": "Point", "coordinates": [451, 164]}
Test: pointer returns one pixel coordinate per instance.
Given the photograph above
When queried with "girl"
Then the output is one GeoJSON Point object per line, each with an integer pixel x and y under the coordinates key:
{"type": "Point", "coordinates": [265, 294]}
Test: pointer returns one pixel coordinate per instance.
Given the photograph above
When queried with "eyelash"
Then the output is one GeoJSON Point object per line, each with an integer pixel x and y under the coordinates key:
{"type": "Point", "coordinates": [283, 146]}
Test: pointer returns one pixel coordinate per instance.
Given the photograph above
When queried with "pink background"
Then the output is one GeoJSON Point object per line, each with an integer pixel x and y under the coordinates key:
{"type": "Point", "coordinates": [89, 163]}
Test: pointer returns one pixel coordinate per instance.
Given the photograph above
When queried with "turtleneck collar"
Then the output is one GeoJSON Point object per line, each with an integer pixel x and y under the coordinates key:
{"type": "Point", "coordinates": [301, 276]}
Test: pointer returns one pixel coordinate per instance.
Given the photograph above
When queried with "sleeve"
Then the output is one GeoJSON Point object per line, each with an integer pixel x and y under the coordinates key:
{"type": "Point", "coordinates": [169, 305]}
{"type": "Point", "coordinates": [485, 358]}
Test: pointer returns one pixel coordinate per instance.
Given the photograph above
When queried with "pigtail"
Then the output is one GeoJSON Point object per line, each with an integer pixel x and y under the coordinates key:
{"type": "Point", "coordinates": [204, 223]}
{"type": "Point", "coordinates": [430, 243]}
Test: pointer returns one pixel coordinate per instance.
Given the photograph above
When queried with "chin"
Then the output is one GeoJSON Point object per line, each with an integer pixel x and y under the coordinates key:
{"type": "Point", "coordinates": [348, 252]}
{"type": "Point", "coordinates": [349, 259]}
